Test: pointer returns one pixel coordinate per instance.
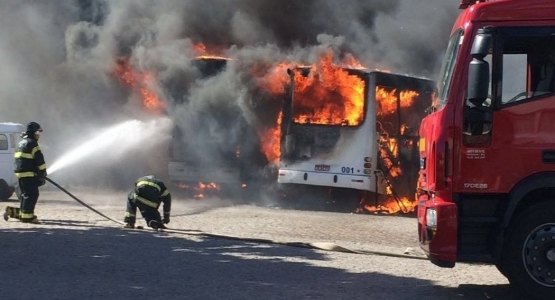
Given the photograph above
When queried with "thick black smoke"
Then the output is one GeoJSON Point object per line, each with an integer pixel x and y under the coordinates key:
{"type": "Point", "coordinates": [58, 58]}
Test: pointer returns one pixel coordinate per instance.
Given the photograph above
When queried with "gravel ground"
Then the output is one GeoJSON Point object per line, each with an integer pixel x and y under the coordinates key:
{"type": "Point", "coordinates": [261, 253]}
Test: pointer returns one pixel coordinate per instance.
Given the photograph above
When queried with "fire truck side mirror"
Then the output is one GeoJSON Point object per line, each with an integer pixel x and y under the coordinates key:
{"type": "Point", "coordinates": [477, 114]}
{"type": "Point", "coordinates": [482, 43]}
{"type": "Point", "coordinates": [478, 69]}
{"type": "Point", "coordinates": [477, 121]}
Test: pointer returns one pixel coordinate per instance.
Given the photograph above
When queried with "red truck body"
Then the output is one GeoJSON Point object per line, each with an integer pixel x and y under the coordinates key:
{"type": "Point", "coordinates": [486, 188]}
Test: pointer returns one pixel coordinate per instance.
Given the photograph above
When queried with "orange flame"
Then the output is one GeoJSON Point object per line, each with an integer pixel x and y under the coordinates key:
{"type": "Point", "coordinates": [387, 99]}
{"type": "Point", "coordinates": [272, 82]}
{"type": "Point", "coordinates": [328, 95]}
{"type": "Point", "coordinates": [140, 83]}
{"type": "Point", "coordinates": [199, 48]}
{"type": "Point", "coordinates": [351, 62]}
{"type": "Point", "coordinates": [388, 151]}
{"type": "Point", "coordinates": [203, 188]}
{"type": "Point", "coordinates": [275, 80]}
{"type": "Point", "coordinates": [270, 142]}
{"type": "Point", "coordinates": [391, 206]}
{"type": "Point", "coordinates": [202, 51]}
{"type": "Point", "coordinates": [341, 93]}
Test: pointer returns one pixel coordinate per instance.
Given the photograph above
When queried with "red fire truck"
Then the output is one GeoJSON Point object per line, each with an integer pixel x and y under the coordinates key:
{"type": "Point", "coordinates": [486, 187]}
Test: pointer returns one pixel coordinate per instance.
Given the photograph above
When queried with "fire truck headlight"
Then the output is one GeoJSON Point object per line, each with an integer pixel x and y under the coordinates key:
{"type": "Point", "coordinates": [431, 218]}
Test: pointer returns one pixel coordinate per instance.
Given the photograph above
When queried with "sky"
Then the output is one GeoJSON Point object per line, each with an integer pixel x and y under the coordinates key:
{"type": "Point", "coordinates": [58, 59]}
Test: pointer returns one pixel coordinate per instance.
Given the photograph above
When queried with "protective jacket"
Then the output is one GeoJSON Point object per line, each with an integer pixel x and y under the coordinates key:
{"type": "Point", "coordinates": [29, 161]}
{"type": "Point", "coordinates": [152, 192]}
{"type": "Point", "coordinates": [148, 194]}
{"type": "Point", "coordinates": [30, 170]}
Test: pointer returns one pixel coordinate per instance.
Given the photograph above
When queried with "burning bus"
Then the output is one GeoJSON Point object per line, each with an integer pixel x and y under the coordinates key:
{"type": "Point", "coordinates": [212, 145]}
{"type": "Point", "coordinates": [345, 131]}
{"type": "Point", "coordinates": [353, 132]}
{"type": "Point", "coordinates": [201, 163]}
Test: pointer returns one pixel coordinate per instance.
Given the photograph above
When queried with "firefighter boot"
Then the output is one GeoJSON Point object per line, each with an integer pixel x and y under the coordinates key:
{"type": "Point", "coordinates": [33, 220]}
{"type": "Point", "coordinates": [129, 222]}
{"type": "Point", "coordinates": [156, 225]}
{"type": "Point", "coordinates": [11, 212]}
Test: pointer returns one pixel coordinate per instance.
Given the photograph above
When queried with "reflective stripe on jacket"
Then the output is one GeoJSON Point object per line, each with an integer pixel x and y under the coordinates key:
{"type": "Point", "coordinates": [146, 182]}
{"type": "Point", "coordinates": [152, 192]}
{"type": "Point", "coordinates": [146, 201]}
{"type": "Point", "coordinates": [29, 161]}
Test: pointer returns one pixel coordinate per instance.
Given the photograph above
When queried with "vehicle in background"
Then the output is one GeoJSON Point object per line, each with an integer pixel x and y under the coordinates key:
{"type": "Point", "coordinates": [10, 135]}
{"type": "Point", "coordinates": [223, 151]}
{"type": "Point", "coordinates": [355, 140]}
{"type": "Point", "coordinates": [486, 190]}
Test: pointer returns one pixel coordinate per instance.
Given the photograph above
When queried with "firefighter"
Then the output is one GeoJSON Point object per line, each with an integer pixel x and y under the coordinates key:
{"type": "Point", "coordinates": [148, 194]}
{"type": "Point", "coordinates": [30, 169]}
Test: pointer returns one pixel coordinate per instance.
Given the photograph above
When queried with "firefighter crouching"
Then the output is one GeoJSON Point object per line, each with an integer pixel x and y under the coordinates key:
{"type": "Point", "coordinates": [30, 169]}
{"type": "Point", "coordinates": [148, 194]}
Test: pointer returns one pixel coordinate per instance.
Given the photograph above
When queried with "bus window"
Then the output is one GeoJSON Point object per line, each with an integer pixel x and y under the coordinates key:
{"type": "Point", "coordinates": [3, 142]}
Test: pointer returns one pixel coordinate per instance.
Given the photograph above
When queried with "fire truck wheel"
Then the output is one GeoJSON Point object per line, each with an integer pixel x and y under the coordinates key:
{"type": "Point", "coordinates": [529, 253]}
{"type": "Point", "coordinates": [501, 268]}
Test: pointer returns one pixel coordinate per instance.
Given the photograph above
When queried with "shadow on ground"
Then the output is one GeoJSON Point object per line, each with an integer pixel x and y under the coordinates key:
{"type": "Point", "coordinates": [88, 262]}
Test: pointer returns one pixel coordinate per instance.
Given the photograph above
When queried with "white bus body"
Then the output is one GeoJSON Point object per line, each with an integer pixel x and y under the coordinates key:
{"type": "Point", "coordinates": [339, 156]}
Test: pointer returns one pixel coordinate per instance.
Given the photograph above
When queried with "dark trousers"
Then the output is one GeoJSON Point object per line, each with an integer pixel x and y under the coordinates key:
{"type": "Point", "coordinates": [29, 196]}
{"type": "Point", "coordinates": [150, 214]}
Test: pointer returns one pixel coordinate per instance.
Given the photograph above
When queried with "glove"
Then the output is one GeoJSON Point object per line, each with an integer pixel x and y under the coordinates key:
{"type": "Point", "coordinates": [41, 176]}
{"type": "Point", "coordinates": [166, 218]}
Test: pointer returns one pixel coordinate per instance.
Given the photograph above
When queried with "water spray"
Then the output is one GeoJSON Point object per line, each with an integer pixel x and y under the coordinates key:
{"type": "Point", "coordinates": [126, 135]}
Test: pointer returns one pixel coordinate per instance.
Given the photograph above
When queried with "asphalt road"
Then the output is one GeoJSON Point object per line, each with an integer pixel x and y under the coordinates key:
{"type": "Point", "coordinates": [227, 251]}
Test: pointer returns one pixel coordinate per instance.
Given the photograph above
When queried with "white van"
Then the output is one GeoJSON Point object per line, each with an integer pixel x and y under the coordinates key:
{"type": "Point", "coordinates": [10, 135]}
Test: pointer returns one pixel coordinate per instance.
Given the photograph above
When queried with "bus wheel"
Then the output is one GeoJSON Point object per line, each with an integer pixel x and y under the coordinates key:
{"type": "Point", "coordinates": [6, 191]}
{"type": "Point", "coordinates": [529, 253]}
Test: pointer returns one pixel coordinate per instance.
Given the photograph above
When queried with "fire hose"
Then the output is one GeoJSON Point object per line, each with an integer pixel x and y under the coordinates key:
{"type": "Point", "coordinates": [314, 245]}
{"type": "Point", "coordinates": [81, 202]}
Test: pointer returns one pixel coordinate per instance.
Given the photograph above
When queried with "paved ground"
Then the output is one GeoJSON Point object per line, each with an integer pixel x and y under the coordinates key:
{"type": "Point", "coordinates": [77, 254]}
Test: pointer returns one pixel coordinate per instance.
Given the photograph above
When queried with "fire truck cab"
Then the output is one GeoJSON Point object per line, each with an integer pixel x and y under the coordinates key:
{"type": "Point", "coordinates": [9, 137]}
{"type": "Point", "coordinates": [486, 187]}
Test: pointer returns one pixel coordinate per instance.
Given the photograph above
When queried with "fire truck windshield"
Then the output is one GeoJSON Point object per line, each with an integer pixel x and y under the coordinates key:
{"type": "Point", "coordinates": [447, 67]}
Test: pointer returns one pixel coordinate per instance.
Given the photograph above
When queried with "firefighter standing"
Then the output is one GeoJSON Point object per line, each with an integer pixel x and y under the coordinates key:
{"type": "Point", "coordinates": [148, 194]}
{"type": "Point", "coordinates": [30, 169]}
